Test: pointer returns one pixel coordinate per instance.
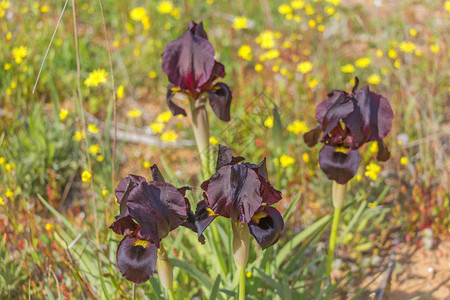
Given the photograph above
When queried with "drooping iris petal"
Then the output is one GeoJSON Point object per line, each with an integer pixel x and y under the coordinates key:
{"type": "Point", "coordinates": [175, 109]}
{"type": "Point", "coordinates": [225, 157]}
{"type": "Point", "coordinates": [312, 137]}
{"type": "Point", "coordinates": [136, 259]}
{"type": "Point", "coordinates": [266, 226]}
{"type": "Point", "coordinates": [234, 192]}
{"type": "Point", "coordinates": [125, 186]}
{"type": "Point", "coordinates": [158, 208]}
{"type": "Point", "coordinates": [203, 217]}
{"type": "Point", "coordinates": [337, 165]}
{"type": "Point", "coordinates": [156, 174]}
{"type": "Point", "coordinates": [190, 223]}
{"type": "Point", "coordinates": [124, 224]}
{"type": "Point", "coordinates": [189, 60]}
{"type": "Point", "coordinates": [220, 100]}
{"type": "Point", "coordinates": [269, 194]}
{"type": "Point", "coordinates": [383, 153]}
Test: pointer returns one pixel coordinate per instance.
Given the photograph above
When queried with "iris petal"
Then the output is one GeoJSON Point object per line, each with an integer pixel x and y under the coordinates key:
{"type": "Point", "coordinates": [337, 109]}
{"type": "Point", "coordinates": [125, 186]}
{"type": "Point", "coordinates": [383, 153]}
{"type": "Point", "coordinates": [225, 157]}
{"type": "Point", "coordinates": [156, 174]}
{"type": "Point", "coordinates": [136, 259]}
{"type": "Point", "coordinates": [122, 224]}
{"type": "Point", "coordinates": [175, 109]}
{"type": "Point", "coordinates": [203, 217]}
{"type": "Point", "coordinates": [339, 166]}
{"type": "Point", "coordinates": [312, 137]}
{"type": "Point", "coordinates": [220, 100]}
{"type": "Point", "coordinates": [268, 227]}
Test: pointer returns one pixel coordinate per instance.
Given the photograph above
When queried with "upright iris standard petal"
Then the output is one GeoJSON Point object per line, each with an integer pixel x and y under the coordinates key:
{"type": "Point", "coordinates": [339, 165]}
{"type": "Point", "coordinates": [124, 188]}
{"type": "Point", "coordinates": [220, 100]}
{"type": "Point", "coordinates": [266, 226]}
{"type": "Point", "coordinates": [189, 60]}
{"type": "Point", "coordinates": [136, 259]}
{"type": "Point", "coordinates": [225, 157]}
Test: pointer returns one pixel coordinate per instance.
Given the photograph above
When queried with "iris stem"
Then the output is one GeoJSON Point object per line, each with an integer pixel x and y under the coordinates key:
{"type": "Point", "coordinates": [170, 293]}
{"type": "Point", "coordinates": [338, 194]}
{"type": "Point", "coordinates": [242, 283]}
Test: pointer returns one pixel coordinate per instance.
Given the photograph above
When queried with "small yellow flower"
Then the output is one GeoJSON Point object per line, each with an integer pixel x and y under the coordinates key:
{"type": "Point", "coordinates": [146, 165]}
{"type": "Point", "coordinates": [169, 136]}
{"type": "Point", "coordinates": [258, 67]}
{"type": "Point", "coordinates": [49, 226]}
{"type": "Point", "coordinates": [374, 147]}
{"type": "Point", "coordinates": [165, 7]}
{"type": "Point", "coordinates": [384, 71]}
{"type": "Point", "coordinates": [7, 66]}
{"type": "Point", "coordinates": [397, 64]}
{"type": "Point", "coordinates": [213, 141]}
{"type": "Point", "coordinates": [100, 158]}
{"type": "Point", "coordinates": [321, 28]}
{"type": "Point", "coordinates": [245, 52]}
{"type": "Point", "coordinates": [358, 177]}
{"type": "Point", "coordinates": [2, 160]}
{"type": "Point", "coordinates": [152, 74]}
{"type": "Point", "coordinates": [312, 23]}
{"type": "Point", "coordinates": [9, 193]}
{"type": "Point", "coordinates": [134, 113]}
{"type": "Point", "coordinates": [1, 201]}
{"type": "Point", "coordinates": [309, 10]}
{"type": "Point", "coordinates": [120, 92]}
{"type": "Point", "coordinates": [418, 52]}
{"type": "Point", "coordinates": [304, 67]}
{"type": "Point", "coordinates": [305, 157]}
{"type": "Point", "coordinates": [348, 68]}
{"type": "Point", "coordinates": [434, 48]}
{"type": "Point", "coordinates": [447, 6]}
{"type": "Point", "coordinates": [372, 171]}
{"type": "Point", "coordinates": [138, 13]}
{"type": "Point", "coordinates": [380, 53]}
{"type": "Point", "coordinates": [209, 2]}
{"type": "Point", "coordinates": [240, 23]}
{"type": "Point", "coordinates": [156, 127]}
{"type": "Point", "coordinates": [8, 36]}
{"type": "Point", "coordinates": [372, 204]}
{"type": "Point", "coordinates": [8, 168]}
{"type": "Point", "coordinates": [407, 47]}
{"type": "Point", "coordinates": [19, 53]}
{"type": "Point", "coordinates": [86, 176]}
{"type": "Point", "coordinates": [284, 9]}
{"type": "Point", "coordinates": [63, 113]}
{"type": "Point", "coordinates": [329, 10]}
{"type": "Point", "coordinates": [164, 117]}
{"type": "Point", "coordinates": [13, 85]}
{"type": "Point", "coordinates": [286, 161]}
{"type": "Point", "coordinates": [92, 128]}
{"type": "Point", "coordinates": [248, 274]}
{"type": "Point", "coordinates": [96, 77]}
{"type": "Point", "coordinates": [404, 160]}
{"type": "Point", "coordinates": [176, 13]}
{"type": "Point", "coordinates": [266, 39]}
{"type": "Point", "coordinates": [4, 4]}
{"type": "Point", "coordinates": [392, 54]}
{"type": "Point", "coordinates": [297, 127]}
{"type": "Point", "coordinates": [374, 79]}
{"type": "Point", "coordinates": [94, 149]}
{"type": "Point", "coordinates": [78, 136]}
{"type": "Point", "coordinates": [297, 4]}
{"type": "Point", "coordinates": [105, 192]}
{"type": "Point", "coordinates": [412, 32]}
{"type": "Point", "coordinates": [45, 8]}
{"type": "Point", "coordinates": [269, 122]}
{"type": "Point", "coordinates": [363, 62]}
{"type": "Point", "coordinates": [297, 18]}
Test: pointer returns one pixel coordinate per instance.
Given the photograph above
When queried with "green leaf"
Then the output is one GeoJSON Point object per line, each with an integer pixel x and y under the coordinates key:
{"type": "Point", "coordinates": [215, 289]}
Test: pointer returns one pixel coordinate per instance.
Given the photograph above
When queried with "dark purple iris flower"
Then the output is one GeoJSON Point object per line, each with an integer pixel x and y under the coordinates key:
{"type": "Point", "coordinates": [148, 212]}
{"type": "Point", "coordinates": [347, 121]}
{"type": "Point", "coordinates": [190, 66]}
{"type": "Point", "coordinates": [241, 192]}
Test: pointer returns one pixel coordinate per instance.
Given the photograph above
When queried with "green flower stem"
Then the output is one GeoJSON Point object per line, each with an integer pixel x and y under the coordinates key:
{"type": "Point", "coordinates": [171, 295]}
{"type": "Point", "coordinates": [338, 194]}
{"type": "Point", "coordinates": [242, 283]}
{"type": "Point", "coordinates": [200, 125]}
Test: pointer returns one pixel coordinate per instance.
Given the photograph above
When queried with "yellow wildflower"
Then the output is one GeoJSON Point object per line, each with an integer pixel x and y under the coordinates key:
{"type": "Point", "coordinates": [13, 165]}
{"type": "Point", "coordinates": [100, 158]}
{"type": "Point", "coordinates": [245, 52]}
{"type": "Point", "coordinates": [164, 117]}
{"type": "Point", "coordinates": [176, 13]}
{"type": "Point", "coordinates": [169, 136]}
{"type": "Point", "coordinates": [96, 77]}
{"type": "Point", "coordinates": [397, 64]}
{"type": "Point", "coordinates": [269, 122]}
{"type": "Point", "coordinates": [248, 274]}
{"type": "Point", "coordinates": [146, 165]}
{"type": "Point", "coordinates": [209, 2]}
{"type": "Point", "coordinates": [286, 161]}
{"type": "Point", "coordinates": [321, 28]}
{"type": "Point", "coordinates": [309, 10]}
{"type": "Point", "coordinates": [374, 147]}
{"type": "Point", "coordinates": [297, 18]}
{"type": "Point", "coordinates": [8, 36]}
{"type": "Point", "coordinates": [305, 157]}
{"type": "Point", "coordinates": [94, 149]}
{"type": "Point", "coordinates": [45, 8]}
{"type": "Point", "coordinates": [312, 23]}
{"type": "Point", "coordinates": [329, 10]}
{"type": "Point", "coordinates": [213, 141]}
{"type": "Point", "coordinates": [92, 128]}
{"type": "Point", "coordinates": [120, 92]}
{"type": "Point", "coordinates": [434, 48]}
{"type": "Point", "coordinates": [13, 85]}
{"type": "Point", "coordinates": [348, 68]}
{"type": "Point", "coordinates": [4, 4]}
{"type": "Point", "coordinates": [78, 136]}
{"type": "Point", "coordinates": [358, 177]}
{"type": "Point", "coordinates": [407, 47]}
{"type": "Point", "coordinates": [447, 6]}
{"type": "Point", "coordinates": [418, 52]}
{"type": "Point", "coordinates": [156, 127]}
{"type": "Point", "coordinates": [134, 113]}
{"type": "Point", "coordinates": [392, 54]}
{"type": "Point", "coordinates": [86, 176]}
{"type": "Point", "coordinates": [374, 79]}
{"type": "Point", "coordinates": [372, 171]}
{"type": "Point", "coordinates": [1, 201]}
{"type": "Point", "coordinates": [7, 66]}
{"type": "Point", "coordinates": [379, 53]}
{"type": "Point", "coordinates": [258, 67]}
{"type": "Point", "coordinates": [384, 71]}
{"type": "Point", "coordinates": [404, 160]}
{"type": "Point", "coordinates": [138, 13]}
{"type": "Point", "coordinates": [9, 193]}
{"type": "Point", "coordinates": [412, 32]}
{"type": "Point", "coordinates": [2, 160]}
{"type": "Point", "coordinates": [297, 4]}
{"type": "Point", "coordinates": [19, 53]}
{"type": "Point", "coordinates": [165, 7]}
{"type": "Point", "coordinates": [304, 67]}
{"type": "Point", "coordinates": [49, 226]}
{"type": "Point", "coordinates": [240, 23]}
{"type": "Point", "coordinates": [266, 39]}
{"type": "Point", "coordinates": [284, 9]}
{"type": "Point", "coordinates": [297, 127]}
{"type": "Point", "coordinates": [8, 168]}
{"type": "Point", "coordinates": [276, 68]}
{"type": "Point", "coordinates": [63, 113]}
{"type": "Point", "coordinates": [105, 192]}
{"type": "Point", "coordinates": [363, 62]}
